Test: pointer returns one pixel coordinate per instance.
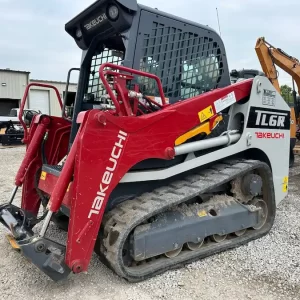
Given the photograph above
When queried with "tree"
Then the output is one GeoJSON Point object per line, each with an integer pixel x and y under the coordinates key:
{"type": "Point", "coordinates": [286, 93]}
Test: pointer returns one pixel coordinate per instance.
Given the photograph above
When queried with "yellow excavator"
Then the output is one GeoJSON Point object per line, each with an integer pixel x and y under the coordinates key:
{"type": "Point", "coordinates": [270, 56]}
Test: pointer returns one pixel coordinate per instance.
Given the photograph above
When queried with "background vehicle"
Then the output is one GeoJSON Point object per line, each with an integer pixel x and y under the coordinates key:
{"type": "Point", "coordinates": [269, 56]}
{"type": "Point", "coordinates": [238, 75]}
{"type": "Point", "coordinates": [165, 160]}
{"type": "Point", "coordinates": [11, 130]}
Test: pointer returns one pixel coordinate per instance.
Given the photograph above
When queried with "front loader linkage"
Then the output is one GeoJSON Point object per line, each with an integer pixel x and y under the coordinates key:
{"type": "Point", "coordinates": [47, 255]}
{"type": "Point", "coordinates": [45, 131]}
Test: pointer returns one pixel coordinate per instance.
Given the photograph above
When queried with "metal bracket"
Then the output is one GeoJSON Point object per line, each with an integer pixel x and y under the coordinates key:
{"type": "Point", "coordinates": [228, 134]}
{"type": "Point", "coordinates": [249, 139]}
{"type": "Point", "coordinates": [258, 87]}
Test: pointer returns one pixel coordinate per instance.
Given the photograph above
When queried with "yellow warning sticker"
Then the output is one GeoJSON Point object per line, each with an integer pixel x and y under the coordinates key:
{"type": "Point", "coordinates": [202, 213]}
{"type": "Point", "coordinates": [285, 184]}
{"type": "Point", "coordinates": [206, 113]}
{"type": "Point", "coordinates": [43, 175]}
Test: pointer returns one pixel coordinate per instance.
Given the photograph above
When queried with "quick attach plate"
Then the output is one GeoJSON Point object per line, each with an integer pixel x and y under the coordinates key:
{"type": "Point", "coordinates": [46, 254]}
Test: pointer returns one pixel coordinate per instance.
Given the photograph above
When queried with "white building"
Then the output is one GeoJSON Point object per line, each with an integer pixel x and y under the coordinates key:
{"type": "Point", "coordinates": [12, 87]}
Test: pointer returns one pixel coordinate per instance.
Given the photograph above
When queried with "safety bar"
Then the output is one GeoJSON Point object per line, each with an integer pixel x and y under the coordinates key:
{"type": "Point", "coordinates": [25, 98]}
{"type": "Point", "coordinates": [132, 71]}
{"type": "Point", "coordinates": [66, 93]}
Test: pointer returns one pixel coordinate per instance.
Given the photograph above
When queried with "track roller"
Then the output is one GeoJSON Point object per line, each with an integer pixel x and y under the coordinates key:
{"type": "Point", "coordinates": [240, 232]}
{"type": "Point", "coordinates": [173, 253]}
{"type": "Point", "coordinates": [194, 246]}
{"type": "Point", "coordinates": [218, 238]}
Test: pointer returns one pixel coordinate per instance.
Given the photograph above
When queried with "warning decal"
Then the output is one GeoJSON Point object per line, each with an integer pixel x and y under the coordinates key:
{"type": "Point", "coordinates": [202, 213]}
{"type": "Point", "coordinates": [43, 175]}
{"type": "Point", "coordinates": [268, 98]}
{"type": "Point", "coordinates": [225, 102]}
{"type": "Point", "coordinates": [206, 113]}
{"type": "Point", "coordinates": [285, 184]}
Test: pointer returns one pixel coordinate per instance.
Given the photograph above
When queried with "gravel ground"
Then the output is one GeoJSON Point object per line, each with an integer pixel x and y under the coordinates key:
{"type": "Point", "coordinates": [268, 268]}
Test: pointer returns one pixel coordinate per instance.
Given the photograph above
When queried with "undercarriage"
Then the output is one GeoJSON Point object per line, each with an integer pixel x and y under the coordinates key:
{"type": "Point", "coordinates": [188, 220]}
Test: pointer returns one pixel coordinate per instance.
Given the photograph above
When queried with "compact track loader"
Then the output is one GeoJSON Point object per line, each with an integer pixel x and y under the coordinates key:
{"type": "Point", "coordinates": [162, 162]}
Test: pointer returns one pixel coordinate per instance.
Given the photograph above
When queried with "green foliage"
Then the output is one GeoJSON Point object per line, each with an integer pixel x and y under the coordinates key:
{"type": "Point", "coordinates": [287, 93]}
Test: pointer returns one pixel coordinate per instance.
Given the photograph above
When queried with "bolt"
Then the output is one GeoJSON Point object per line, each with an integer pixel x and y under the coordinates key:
{"type": "Point", "coordinates": [40, 247]}
{"type": "Point", "coordinates": [170, 153]}
{"type": "Point", "coordinates": [45, 120]}
{"type": "Point", "coordinates": [77, 267]}
{"type": "Point", "coordinates": [102, 119]}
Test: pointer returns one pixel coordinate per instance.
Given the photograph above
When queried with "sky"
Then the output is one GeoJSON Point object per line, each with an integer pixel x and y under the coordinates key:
{"type": "Point", "coordinates": [33, 37]}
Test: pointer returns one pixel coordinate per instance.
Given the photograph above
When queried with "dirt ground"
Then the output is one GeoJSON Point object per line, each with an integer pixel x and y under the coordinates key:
{"type": "Point", "coordinates": [268, 268]}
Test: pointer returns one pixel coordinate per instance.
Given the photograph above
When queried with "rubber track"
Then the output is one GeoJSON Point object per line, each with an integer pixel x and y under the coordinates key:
{"type": "Point", "coordinates": [120, 222]}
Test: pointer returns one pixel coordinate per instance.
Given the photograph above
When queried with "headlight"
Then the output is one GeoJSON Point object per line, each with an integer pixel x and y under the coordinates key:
{"type": "Point", "coordinates": [113, 12]}
{"type": "Point", "coordinates": [78, 33]}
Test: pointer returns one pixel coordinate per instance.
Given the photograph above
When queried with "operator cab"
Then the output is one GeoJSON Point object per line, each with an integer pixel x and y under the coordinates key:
{"type": "Point", "coordinates": [188, 58]}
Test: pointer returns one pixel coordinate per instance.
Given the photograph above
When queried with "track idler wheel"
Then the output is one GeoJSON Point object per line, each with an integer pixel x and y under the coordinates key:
{"type": "Point", "coordinates": [263, 214]}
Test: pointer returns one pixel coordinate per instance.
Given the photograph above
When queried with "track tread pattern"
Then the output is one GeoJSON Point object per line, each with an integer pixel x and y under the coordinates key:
{"type": "Point", "coordinates": [123, 219]}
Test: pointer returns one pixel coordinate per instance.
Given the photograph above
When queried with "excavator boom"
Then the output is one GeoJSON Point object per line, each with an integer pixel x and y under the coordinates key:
{"type": "Point", "coordinates": [266, 60]}
{"type": "Point", "coordinates": [270, 56]}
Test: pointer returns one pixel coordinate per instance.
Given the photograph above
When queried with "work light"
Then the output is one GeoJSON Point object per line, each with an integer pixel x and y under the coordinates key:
{"type": "Point", "coordinates": [113, 12]}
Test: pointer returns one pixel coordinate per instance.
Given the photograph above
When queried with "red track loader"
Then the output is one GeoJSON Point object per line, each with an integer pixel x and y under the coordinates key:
{"type": "Point", "coordinates": [162, 161]}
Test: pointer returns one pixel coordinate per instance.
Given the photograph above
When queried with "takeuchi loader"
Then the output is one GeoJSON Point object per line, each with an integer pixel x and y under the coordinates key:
{"type": "Point", "coordinates": [162, 162]}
